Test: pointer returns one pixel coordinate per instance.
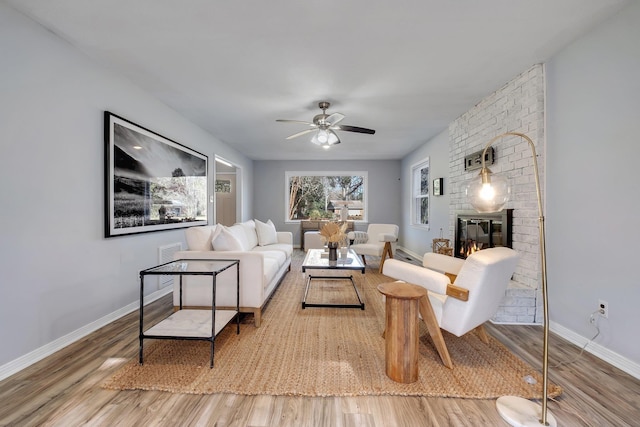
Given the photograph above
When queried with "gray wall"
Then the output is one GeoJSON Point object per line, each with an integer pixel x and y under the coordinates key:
{"type": "Point", "coordinates": [57, 271]}
{"type": "Point", "coordinates": [384, 189]}
{"type": "Point", "coordinates": [593, 200]}
{"type": "Point", "coordinates": [418, 240]}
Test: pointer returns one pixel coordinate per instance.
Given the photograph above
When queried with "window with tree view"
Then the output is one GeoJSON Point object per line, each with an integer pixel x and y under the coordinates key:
{"type": "Point", "coordinates": [320, 195]}
{"type": "Point", "coordinates": [420, 191]}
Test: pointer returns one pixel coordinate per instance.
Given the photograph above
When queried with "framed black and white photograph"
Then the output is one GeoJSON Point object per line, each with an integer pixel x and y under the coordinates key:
{"type": "Point", "coordinates": [151, 182]}
{"type": "Point", "coordinates": [438, 186]}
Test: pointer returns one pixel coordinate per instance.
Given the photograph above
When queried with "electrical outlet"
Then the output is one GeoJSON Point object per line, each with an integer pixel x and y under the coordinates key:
{"type": "Point", "coordinates": [603, 308]}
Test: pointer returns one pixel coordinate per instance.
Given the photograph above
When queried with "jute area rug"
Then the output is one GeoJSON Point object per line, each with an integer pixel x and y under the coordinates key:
{"type": "Point", "coordinates": [324, 352]}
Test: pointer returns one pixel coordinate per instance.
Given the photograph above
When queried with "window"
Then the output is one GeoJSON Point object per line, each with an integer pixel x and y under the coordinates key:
{"type": "Point", "coordinates": [322, 195]}
{"type": "Point", "coordinates": [420, 193]}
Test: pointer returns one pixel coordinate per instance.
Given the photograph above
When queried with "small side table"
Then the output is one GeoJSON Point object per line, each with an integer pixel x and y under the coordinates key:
{"type": "Point", "coordinates": [401, 330]}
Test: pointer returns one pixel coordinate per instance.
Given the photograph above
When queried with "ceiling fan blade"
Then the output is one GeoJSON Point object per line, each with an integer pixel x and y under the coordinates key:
{"type": "Point", "coordinates": [295, 135]}
{"type": "Point", "coordinates": [356, 129]}
{"type": "Point", "coordinates": [294, 121]}
{"type": "Point", "coordinates": [335, 118]}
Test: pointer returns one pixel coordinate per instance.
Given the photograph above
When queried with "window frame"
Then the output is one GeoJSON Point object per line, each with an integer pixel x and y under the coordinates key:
{"type": "Point", "coordinates": [416, 193]}
{"type": "Point", "coordinates": [365, 198]}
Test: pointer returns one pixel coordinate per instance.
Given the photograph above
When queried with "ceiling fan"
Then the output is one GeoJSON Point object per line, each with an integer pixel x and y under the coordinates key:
{"type": "Point", "coordinates": [324, 126]}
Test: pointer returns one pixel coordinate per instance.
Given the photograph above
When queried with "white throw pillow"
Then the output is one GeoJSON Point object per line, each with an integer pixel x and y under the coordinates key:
{"type": "Point", "coordinates": [223, 240]}
{"type": "Point", "coordinates": [199, 238]}
{"type": "Point", "coordinates": [266, 233]}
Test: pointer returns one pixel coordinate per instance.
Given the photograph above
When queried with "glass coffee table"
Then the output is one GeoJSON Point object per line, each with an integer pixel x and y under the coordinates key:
{"type": "Point", "coordinates": [318, 259]}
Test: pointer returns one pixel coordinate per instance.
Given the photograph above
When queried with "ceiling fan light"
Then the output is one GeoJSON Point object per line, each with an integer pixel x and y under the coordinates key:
{"type": "Point", "coordinates": [323, 136]}
{"type": "Point", "coordinates": [333, 138]}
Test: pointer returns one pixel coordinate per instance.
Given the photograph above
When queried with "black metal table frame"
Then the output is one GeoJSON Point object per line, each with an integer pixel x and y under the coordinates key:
{"type": "Point", "coordinates": [333, 265]}
{"type": "Point", "coordinates": [214, 275]}
{"type": "Point", "coordinates": [305, 304]}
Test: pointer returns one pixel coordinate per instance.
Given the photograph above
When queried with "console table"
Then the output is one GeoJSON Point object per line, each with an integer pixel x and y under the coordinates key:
{"type": "Point", "coordinates": [196, 324]}
{"type": "Point", "coordinates": [316, 225]}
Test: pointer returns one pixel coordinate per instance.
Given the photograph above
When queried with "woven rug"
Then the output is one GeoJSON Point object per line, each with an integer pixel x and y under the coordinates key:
{"type": "Point", "coordinates": [325, 352]}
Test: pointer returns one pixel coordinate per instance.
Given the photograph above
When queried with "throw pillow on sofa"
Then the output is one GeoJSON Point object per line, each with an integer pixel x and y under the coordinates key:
{"type": "Point", "coordinates": [199, 238]}
{"type": "Point", "coordinates": [266, 233]}
{"type": "Point", "coordinates": [224, 240]}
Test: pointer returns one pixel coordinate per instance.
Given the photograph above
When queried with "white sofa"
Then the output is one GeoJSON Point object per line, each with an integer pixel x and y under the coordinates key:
{"type": "Point", "coordinates": [265, 258]}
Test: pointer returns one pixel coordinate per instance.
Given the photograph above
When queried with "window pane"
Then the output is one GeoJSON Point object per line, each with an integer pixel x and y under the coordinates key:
{"type": "Point", "coordinates": [424, 211]}
{"type": "Point", "coordinates": [424, 181]}
{"type": "Point", "coordinates": [321, 196]}
{"type": "Point", "coordinates": [420, 191]}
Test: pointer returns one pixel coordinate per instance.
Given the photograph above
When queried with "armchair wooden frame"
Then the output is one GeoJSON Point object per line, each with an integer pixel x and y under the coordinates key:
{"type": "Point", "coordinates": [429, 318]}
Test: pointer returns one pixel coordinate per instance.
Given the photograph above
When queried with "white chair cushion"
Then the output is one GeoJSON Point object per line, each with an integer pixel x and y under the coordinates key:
{"type": "Point", "coordinates": [266, 233]}
{"type": "Point", "coordinates": [388, 237]}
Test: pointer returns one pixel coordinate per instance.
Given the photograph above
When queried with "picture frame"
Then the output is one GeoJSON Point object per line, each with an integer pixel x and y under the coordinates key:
{"type": "Point", "coordinates": [438, 186]}
{"type": "Point", "coordinates": [152, 183]}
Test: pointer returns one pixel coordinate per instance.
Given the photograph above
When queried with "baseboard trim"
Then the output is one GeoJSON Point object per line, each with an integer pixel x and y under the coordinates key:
{"type": "Point", "coordinates": [38, 354]}
{"type": "Point", "coordinates": [597, 350]}
{"type": "Point", "coordinates": [415, 256]}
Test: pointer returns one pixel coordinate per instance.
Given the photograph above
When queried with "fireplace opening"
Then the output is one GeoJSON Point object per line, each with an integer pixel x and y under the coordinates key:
{"type": "Point", "coordinates": [476, 231]}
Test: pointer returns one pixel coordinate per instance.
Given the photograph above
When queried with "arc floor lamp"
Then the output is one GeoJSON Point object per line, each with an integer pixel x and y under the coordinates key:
{"type": "Point", "coordinates": [489, 193]}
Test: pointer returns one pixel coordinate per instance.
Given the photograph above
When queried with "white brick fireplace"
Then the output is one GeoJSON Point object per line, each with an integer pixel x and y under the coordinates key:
{"type": "Point", "coordinates": [517, 107]}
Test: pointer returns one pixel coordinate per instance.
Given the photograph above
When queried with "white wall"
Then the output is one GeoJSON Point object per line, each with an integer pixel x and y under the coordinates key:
{"type": "Point", "coordinates": [383, 190]}
{"type": "Point", "coordinates": [593, 200]}
{"type": "Point", "coordinates": [57, 271]}
{"type": "Point", "coordinates": [418, 240]}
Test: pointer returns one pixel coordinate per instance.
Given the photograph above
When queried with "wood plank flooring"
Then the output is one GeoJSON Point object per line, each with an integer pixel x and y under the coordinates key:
{"type": "Point", "coordinates": [64, 390]}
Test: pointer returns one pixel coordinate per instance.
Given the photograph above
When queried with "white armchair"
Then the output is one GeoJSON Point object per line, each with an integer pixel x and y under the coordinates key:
{"type": "Point", "coordinates": [379, 240]}
{"type": "Point", "coordinates": [463, 294]}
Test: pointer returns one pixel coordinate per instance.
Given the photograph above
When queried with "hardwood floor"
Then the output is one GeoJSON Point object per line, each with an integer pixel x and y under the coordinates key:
{"type": "Point", "coordinates": [64, 390]}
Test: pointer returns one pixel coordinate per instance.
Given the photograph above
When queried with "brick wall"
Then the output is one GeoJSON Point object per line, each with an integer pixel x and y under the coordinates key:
{"type": "Point", "coordinates": [518, 106]}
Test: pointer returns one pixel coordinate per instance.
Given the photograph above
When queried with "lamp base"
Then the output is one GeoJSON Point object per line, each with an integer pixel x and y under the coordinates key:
{"type": "Point", "coordinates": [520, 412]}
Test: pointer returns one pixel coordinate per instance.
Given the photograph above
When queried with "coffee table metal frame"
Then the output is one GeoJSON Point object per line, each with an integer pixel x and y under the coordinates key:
{"type": "Point", "coordinates": [190, 267]}
{"type": "Point", "coordinates": [318, 259]}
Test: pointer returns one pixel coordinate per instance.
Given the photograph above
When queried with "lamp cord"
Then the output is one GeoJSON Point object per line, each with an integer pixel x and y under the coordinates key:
{"type": "Point", "coordinates": [592, 321]}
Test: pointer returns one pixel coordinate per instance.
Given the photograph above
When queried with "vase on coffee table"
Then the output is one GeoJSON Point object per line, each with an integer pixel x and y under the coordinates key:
{"type": "Point", "coordinates": [333, 251]}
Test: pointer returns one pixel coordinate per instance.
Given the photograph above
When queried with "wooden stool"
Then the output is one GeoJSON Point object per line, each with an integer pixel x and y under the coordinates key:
{"type": "Point", "coordinates": [401, 330]}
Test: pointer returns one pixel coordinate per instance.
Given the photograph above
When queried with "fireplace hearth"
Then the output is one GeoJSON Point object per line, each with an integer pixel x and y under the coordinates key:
{"type": "Point", "coordinates": [476, 231]}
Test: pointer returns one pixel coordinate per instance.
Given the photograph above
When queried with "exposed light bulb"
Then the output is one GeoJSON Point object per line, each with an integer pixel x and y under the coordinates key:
{"type": "Point", "coordinates": [487, 192]}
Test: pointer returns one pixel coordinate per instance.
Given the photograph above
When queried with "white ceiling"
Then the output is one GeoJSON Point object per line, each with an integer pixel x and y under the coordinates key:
{"type": "Point", "coordinates": [406, 68]}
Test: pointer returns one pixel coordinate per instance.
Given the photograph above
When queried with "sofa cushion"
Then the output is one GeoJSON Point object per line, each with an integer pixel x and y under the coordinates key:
{"type": "Point", "coordinates": [251, 236]}
{"type": "Point", "coordinates": [280, 247]}
{"type": "Point", "coordinates": [271, 268]}
{"type": "Point", "coordinates": [266, 233]}
{"type": "Point", "coordinates": [199, 238]}
{"type": "Point", "coordinates": [278, 256]}
{"type": "Point", "coordinates": [238, 231]}
{"type": "Point", "coordinates": [224, 240]}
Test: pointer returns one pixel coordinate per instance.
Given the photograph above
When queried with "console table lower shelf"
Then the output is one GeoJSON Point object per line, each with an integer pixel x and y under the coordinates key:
{"type": "Point", "coordinates": [189, 325]}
